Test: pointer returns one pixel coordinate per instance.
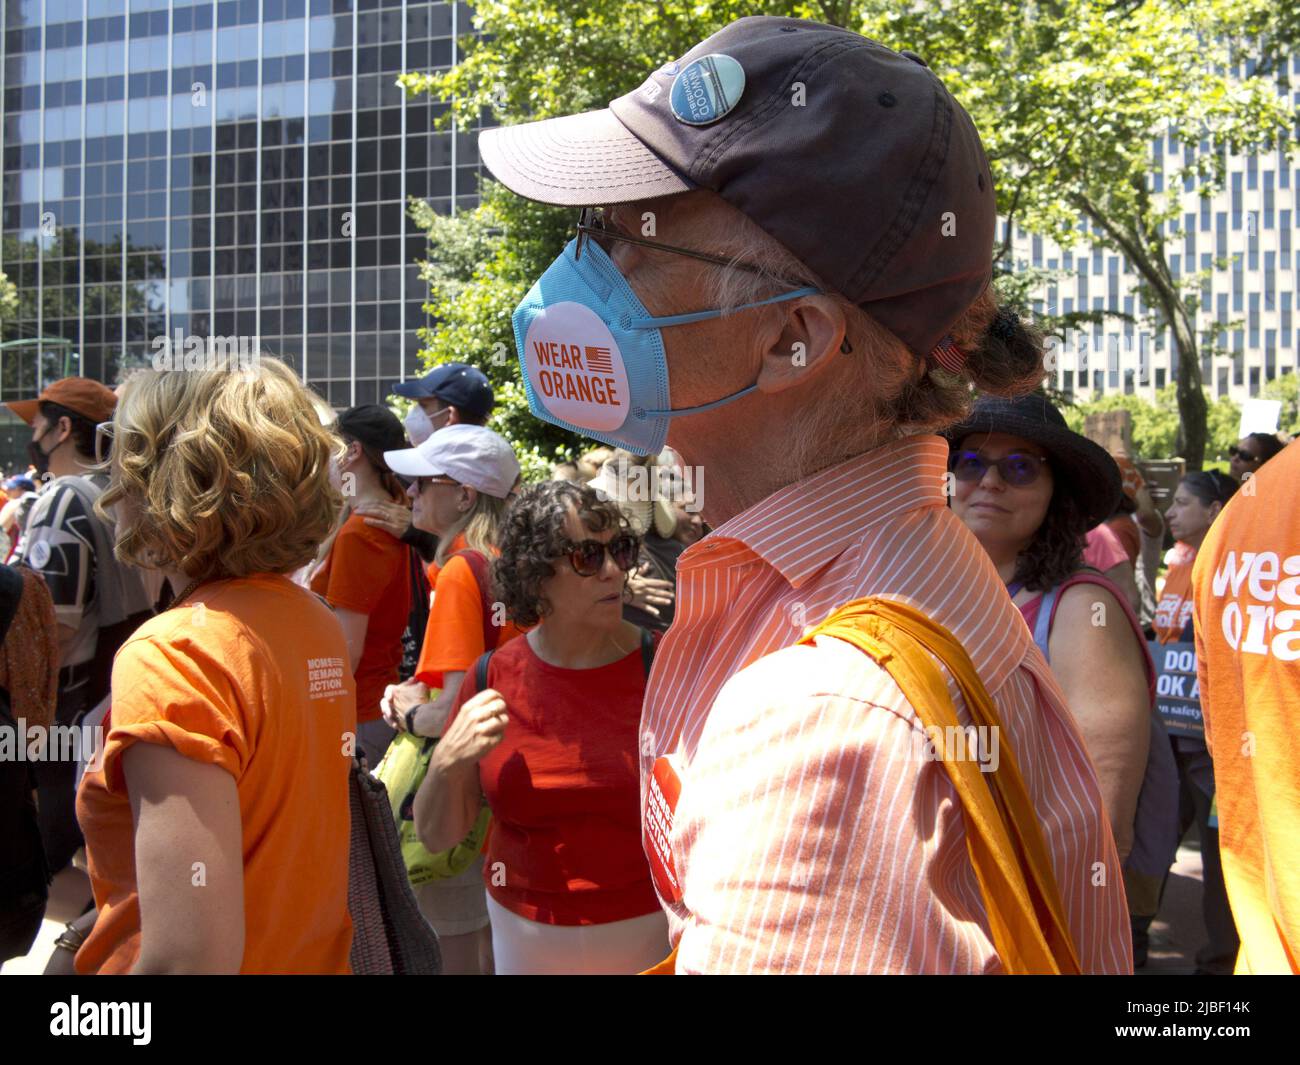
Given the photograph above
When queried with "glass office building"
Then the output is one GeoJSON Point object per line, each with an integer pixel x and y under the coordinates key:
{"type": "Point", "coordinates": [237, 168]}
{"type": "Point", "coordinates": [1247, 310]}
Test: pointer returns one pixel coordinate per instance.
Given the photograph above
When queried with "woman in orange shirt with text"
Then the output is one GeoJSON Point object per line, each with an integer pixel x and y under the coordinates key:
{"type": "Point", "coordinates": [462, 478]}
{"type": "Point", "coordinates": [217, 822]}
{"type": "Point", "coordinates": [1197, 502]}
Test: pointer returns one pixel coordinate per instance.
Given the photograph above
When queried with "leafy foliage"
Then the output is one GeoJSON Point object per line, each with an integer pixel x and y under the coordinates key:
{"type": "Point", "coordinates": [1068, 95]}
{"type": "Point", "coordinates": [1155, 425]}
{"type": "Point", "coordinates": [8, 299]}
{"type": "Point", "coordinates": [1287, 389]}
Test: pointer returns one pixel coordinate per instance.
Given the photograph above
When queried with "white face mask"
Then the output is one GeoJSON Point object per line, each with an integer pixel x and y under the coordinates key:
{"type": "Point", "coordinates": [419, 427]}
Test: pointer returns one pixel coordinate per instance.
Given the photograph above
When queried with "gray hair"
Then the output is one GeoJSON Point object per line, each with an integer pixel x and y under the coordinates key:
{"type": "Point", "coordinates": [886, 391]}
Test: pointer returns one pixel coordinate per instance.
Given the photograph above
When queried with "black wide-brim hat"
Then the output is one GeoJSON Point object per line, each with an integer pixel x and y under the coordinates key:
{"type": "Point", "coordinates": [1081, 468]}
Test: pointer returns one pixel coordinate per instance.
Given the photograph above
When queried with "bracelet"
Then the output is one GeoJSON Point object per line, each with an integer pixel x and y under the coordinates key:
{"type": "Point", "coordinates": [410, 720]}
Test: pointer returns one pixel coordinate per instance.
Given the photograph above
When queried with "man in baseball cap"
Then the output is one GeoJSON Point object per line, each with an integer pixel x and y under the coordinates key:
{"type": "Point", "coordinates": [98, 601]}
{"type": "Point", "coordinates": [451, 394]}
{"type": "Point", "coordinates": [789, 284]}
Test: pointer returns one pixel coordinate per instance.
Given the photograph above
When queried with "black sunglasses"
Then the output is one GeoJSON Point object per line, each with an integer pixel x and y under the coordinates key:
{"type": "Point", "coordinates": [1016, 469]}
{"type": "Point", "coordinates": [588, 556]}
{"type": "Point", "coordinates": [1237, 453]}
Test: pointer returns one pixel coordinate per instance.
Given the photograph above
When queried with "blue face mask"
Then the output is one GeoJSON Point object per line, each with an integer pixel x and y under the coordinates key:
{"type": "Point", "coordinates": [593, 357]}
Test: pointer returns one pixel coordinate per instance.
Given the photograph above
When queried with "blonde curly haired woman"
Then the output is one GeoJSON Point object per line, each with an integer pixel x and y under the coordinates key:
{"type": "Point", "coordinates": [217, 824]}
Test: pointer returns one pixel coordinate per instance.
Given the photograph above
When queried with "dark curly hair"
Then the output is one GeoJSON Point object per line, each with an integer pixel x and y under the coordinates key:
{"type": "Point", "coordinates": [1056, 551]}
{"type": "Point", "coordinates": [532, 537]}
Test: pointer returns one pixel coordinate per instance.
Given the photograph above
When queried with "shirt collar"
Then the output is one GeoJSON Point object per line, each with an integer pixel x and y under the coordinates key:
{"type": "Point", "coordinates": [802, 527]}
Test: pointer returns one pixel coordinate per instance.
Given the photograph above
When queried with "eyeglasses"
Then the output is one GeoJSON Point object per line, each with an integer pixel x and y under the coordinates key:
{"type": "Point", "coordinates": [1238, 453]}
{"type": "Point", "coordinates": [1016, 469]}
{"type": "Point", "coordinates": [588, 556]}
{"type": "Point", "coordinates": [594, 224]}
{"type": "Point", "coordinates": [103, 442]}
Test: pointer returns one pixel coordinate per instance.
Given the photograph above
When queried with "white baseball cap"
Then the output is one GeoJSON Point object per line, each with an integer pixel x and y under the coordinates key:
{"type": "Point", "coordinates": [470, 454]}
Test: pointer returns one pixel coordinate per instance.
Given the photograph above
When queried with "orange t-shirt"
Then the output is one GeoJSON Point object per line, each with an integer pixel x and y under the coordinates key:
{"type": "Point", "coordinates": [453, 639]}
{"type": "Point", "coordinates": [368, 570]}
{"type": "Point", "coordinates": [1174, 610]}
{"type": "Point", "coordinates": [250, 675]}
{"type": "Point", "coordinates": [1247, 593]}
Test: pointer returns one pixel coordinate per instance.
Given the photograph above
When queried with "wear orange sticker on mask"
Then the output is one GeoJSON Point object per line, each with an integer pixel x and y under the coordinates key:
{"type": "Point", "coordinates": [657, 829]}
{"type": "Point", "coordinates": [576, 368]}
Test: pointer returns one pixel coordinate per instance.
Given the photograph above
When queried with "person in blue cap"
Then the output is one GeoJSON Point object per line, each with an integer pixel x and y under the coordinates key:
{"type": "Point", "coordinates": [454, 393]}
{"type": "Point", "coordinates": [451, 394]}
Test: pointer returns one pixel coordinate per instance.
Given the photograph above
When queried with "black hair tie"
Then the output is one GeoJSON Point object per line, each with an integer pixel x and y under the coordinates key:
{"type": "Point", "coordinates": [1005, 324]}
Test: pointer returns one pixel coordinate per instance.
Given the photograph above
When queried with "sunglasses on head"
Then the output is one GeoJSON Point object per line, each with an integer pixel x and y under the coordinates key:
{"type": "Point", "coordinates": [1017, 469]}
{"type": "Point", "coordinates": [588, 556]}
{"type": "Point", "coordinates": [1238, 453]}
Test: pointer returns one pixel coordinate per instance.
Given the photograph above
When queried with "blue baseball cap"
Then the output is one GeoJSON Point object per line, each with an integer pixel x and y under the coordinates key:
{"type": "Point", "coordinates": [455, 383]}
{"type": "Point", "coordinates": [25, 483]}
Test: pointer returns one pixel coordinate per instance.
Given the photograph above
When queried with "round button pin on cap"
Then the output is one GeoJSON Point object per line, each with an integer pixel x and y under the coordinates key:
{"type": "Point", "coordinates": [707, 89]}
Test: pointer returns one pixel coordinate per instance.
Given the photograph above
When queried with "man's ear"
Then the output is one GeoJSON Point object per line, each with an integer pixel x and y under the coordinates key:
{"type": "Point", "coordinates": [808, 340]}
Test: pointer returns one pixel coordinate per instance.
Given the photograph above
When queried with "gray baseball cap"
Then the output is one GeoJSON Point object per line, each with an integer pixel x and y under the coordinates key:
{"type": "Point", "coordinates": [853, 156]}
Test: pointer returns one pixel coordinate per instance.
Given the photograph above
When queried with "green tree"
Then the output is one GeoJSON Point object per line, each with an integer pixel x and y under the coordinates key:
{"type": "Point", "coordinates": [1155, 424]}
{"type": "Point", "coordinates": [1287, 389]}
{"type": "Point", "coordinates": [486, 261]}
{"type": "Point", "coordinates": [8, 300]}
{"type": "Point", "coordinates": [1067, 94]}
{"type": "Point", "coordinates": [533, 60]}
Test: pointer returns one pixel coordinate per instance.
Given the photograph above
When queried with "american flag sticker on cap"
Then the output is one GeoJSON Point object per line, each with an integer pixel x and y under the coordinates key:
{"type": "Point", "coordinates": [707, 89]}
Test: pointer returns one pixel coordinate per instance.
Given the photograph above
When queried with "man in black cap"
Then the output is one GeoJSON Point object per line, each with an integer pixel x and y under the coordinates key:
{"type": "Point", "coordinates": [789, 284]}
{"type": "Point", "coordinates": [451, 394]}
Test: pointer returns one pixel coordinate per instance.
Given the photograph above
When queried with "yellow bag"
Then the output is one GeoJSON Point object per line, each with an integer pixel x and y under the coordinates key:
{"type": "Point", "coordinates": [402, 770]}
{"type": "Point", "coordinates": [1006, 846]}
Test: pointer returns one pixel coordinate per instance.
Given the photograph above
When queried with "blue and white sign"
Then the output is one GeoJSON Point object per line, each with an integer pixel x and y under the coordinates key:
{"type": "Point", "coordinates": [1178, 693]}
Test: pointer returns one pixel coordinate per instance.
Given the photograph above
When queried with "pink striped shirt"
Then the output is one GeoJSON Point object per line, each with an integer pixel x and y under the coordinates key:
{"type": "Point", "coordinates": [811, 833]}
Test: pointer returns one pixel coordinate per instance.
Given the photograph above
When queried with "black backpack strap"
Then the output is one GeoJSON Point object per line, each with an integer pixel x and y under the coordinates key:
{"type": "Point", "coordinates": [481, 670]}
{"type": "Point", "coordinates": [647, 650]}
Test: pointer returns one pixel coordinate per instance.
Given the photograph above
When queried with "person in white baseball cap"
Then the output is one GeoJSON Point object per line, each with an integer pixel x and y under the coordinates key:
{"type": "Point", "coordinates": [471, 455]}
{"type": "Point", "coordinates": [464, 476]}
